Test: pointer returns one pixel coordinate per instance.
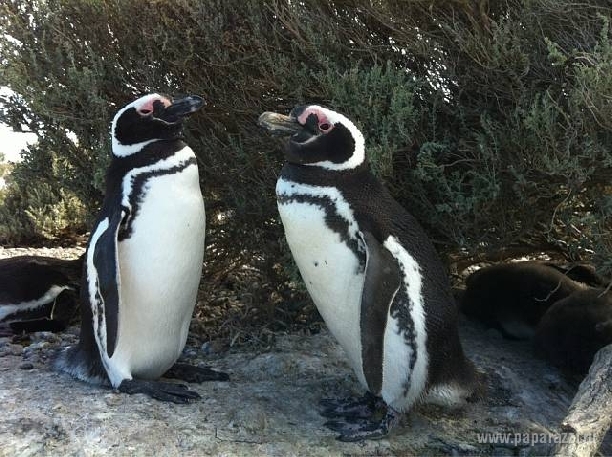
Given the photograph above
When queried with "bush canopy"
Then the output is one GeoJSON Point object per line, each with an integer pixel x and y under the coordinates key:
{"type": "Point", "coordinates": [490, 121]}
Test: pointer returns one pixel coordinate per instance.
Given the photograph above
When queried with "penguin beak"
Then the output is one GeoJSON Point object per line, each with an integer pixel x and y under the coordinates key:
{"type": "Point", "coordinates": [278, 124]}
{"type": "Point", "coordinates": [178, 109]}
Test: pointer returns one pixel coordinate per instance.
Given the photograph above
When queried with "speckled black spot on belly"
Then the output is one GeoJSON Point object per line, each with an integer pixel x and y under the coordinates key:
{"type": "Point", "coordinates": [139, 192]}
{"type": "Point", "coordinates": [333, 221]}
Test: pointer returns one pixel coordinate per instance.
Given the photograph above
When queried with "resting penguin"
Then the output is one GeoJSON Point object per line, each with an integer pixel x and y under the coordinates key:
{"type": "Point", "coordinates": [574, 329]}
{"type": "Point", "coordinates": [144, 257]}
{"type": "Point", "coordinates": [581, 272]}
{"type": "Point", "coordinates": [39, 293]}
{"type": "Point", "coordinates": [372, 272]}
{"type": "Point", "coordinates": [514, 296]}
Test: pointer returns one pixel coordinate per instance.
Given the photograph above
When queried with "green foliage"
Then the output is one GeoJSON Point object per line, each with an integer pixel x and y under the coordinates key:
{"type": "Point", "coordinates": [490, 121]}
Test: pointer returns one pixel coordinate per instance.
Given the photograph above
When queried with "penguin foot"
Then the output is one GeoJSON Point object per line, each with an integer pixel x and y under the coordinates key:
{"type": "Point", "coordinates": [189, 373]}
{"type": "Point", "coordinates": [163, 391]}
{"type": "Point", "coordinates": [359, 429]}
{"type": "Point", "coordinates": [352, 407]}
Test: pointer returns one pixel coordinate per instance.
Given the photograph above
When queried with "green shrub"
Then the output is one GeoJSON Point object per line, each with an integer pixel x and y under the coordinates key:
{"type": "Point", "coordinates": [490, 121]}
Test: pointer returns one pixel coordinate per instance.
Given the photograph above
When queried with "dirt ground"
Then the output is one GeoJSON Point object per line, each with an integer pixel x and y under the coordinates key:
{"type": "Point", "coordinates": [270, 405]}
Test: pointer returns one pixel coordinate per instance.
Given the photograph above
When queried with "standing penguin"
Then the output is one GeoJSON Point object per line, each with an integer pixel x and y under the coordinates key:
{"type": "Point", "coordinates": [372, 272]}
{"type": "Point", "coordinates": [144, 257]}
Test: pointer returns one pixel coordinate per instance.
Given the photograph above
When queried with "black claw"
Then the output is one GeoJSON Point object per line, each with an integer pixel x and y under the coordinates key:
{"type": "Point", "coordinates": [334, 425]}
{"type": "Point", "coordinates": [333, 402]}
{"type": "Point", "coordinates": [352, 407]}
{"type": "Point", "coordinates": [360, 437]}
{"type": "Point", "coordinates": [358, 429]}
{"type": "Point", "coordinates": [190, 373]}
{"type": "Point", "coordinates": [352, 426]}
{"type": "Point", "coordinates": [163, 391]}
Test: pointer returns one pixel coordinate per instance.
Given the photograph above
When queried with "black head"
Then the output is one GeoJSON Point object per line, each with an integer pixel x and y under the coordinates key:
{"type": "Point", "coordinates": [319, 137]}
{"type": "Point", "coordinates": [150, 118]}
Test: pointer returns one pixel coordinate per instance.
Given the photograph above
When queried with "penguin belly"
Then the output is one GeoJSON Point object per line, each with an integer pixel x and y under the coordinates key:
{"type": "Point", "coordinates": [332, 273]}
{"type": "Point", "coordinates": [160, 270]}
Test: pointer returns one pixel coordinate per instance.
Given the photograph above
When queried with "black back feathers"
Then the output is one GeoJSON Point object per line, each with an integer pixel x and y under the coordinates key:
{"type": "Point", "coordinates": [39, 293]}
{"type": "Point", "coordinates": [575, 328]}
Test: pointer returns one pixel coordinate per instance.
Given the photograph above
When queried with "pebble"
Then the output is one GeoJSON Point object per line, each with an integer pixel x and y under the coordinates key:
{"type": "Point", "coordinates": [189, 352]}
{"type": "Point", "coordinates": [26, 366]}
{"type": "Point", "coordinates": [10, 349]}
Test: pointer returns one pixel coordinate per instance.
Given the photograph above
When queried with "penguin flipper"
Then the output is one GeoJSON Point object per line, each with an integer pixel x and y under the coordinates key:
{"type": "Point", "coordinates": [104, 281]}
{"type": "Point", "coordinates": [54, 318]}
{"type": "Point", "coordinates": [382, 280]}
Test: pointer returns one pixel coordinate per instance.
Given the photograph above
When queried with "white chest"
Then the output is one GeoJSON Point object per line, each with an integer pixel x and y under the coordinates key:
{"type": "Point", "coordinates": [331, 271]}
{"type": "Point", "coordinates": [160, 269]}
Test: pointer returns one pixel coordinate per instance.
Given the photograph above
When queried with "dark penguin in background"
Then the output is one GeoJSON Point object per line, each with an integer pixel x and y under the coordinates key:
{"type": "Point", "coordinates": [39, 293]}
{"type": "Point", "coordinates": [514, 296]}
{"type": "Point", "coordinates": [574, 329]}
{"type": "Point", "coordinates": [144, 257]}
{"type": "Point", "coordinates": [581, 272]}
{"type": "Point", "coordinates": [372, 272]}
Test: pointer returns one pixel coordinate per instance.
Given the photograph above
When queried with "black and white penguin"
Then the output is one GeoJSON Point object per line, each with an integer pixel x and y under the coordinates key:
{"type": "Point", "coordinates": [514, 296]}
{"type": "Point", "coordinates": [574, 329]}
{"type": "Point", "coordinates": [144, 257]}
{"type": "Point", "coordinates": [372, 272]}
{"type": "Point", "coordinates": [39, 293]}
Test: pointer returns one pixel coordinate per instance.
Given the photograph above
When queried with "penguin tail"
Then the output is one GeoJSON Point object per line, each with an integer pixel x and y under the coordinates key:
{"type": "Point", "coordinates": [465, 385]}
{"type": "Point", "coordinates": [79, 363]}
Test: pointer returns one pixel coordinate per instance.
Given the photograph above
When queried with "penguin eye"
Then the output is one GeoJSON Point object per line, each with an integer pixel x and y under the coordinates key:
{"type": "Point", "coordinates": [324, 127]}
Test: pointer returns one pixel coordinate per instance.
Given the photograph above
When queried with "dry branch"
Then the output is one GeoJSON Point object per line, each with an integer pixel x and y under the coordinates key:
{"type": "Point", "coordinates": [590, 413]}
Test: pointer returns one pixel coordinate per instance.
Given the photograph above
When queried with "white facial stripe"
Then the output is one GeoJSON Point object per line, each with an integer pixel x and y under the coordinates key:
{"type": "Point", "coordinates": [172, 161]}
{"type": "Point", "coordinates": [358, 156]}
{"type": "Point", "coordinates": [288, 188]}
{"type": "Point", "coordinates": [124, 150]}
{"type": "Point", "coordinates": [49, 296]}
{"type": "Point", "coordinates": [418, 377]}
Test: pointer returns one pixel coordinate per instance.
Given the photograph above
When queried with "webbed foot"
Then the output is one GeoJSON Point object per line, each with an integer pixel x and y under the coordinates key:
{"type": "Point", "coordinates": [352, 407]}
{"type": "Point", "coordinates": [190, 373]}
{"type": "Point", "coordinates": [358, 419]}
{"type": "Point", "coordinates": [163, 391]}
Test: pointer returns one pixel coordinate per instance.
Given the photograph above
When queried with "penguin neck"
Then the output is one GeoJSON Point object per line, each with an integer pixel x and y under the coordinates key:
{"type": "Point", "coordinates": [317, 176]}
{"type": "Point", "coordinates": [148, 155]}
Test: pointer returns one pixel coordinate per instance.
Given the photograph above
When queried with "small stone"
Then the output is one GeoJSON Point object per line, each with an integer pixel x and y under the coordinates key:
{"type": "Point", "coordinates": [26, 366]}
{"type": "Point", "coordinates": [113, 399]}
{"type": "Point", "coordinates": [207, 348]}
{"type": "Point", "coordinates": [189, 352]}
{"type": "Point", "coordinates": [11, 349]}
{"type": "Point", "coordinates": [552, 381]}
{"type": "Point", "coordinates": [502, 452]}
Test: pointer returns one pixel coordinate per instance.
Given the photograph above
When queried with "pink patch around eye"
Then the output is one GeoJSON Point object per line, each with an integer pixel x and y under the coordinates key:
{"type": "Point", "coordinates": [322, 118]}
{"type": "Point", "coordinates": [147, 108]}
